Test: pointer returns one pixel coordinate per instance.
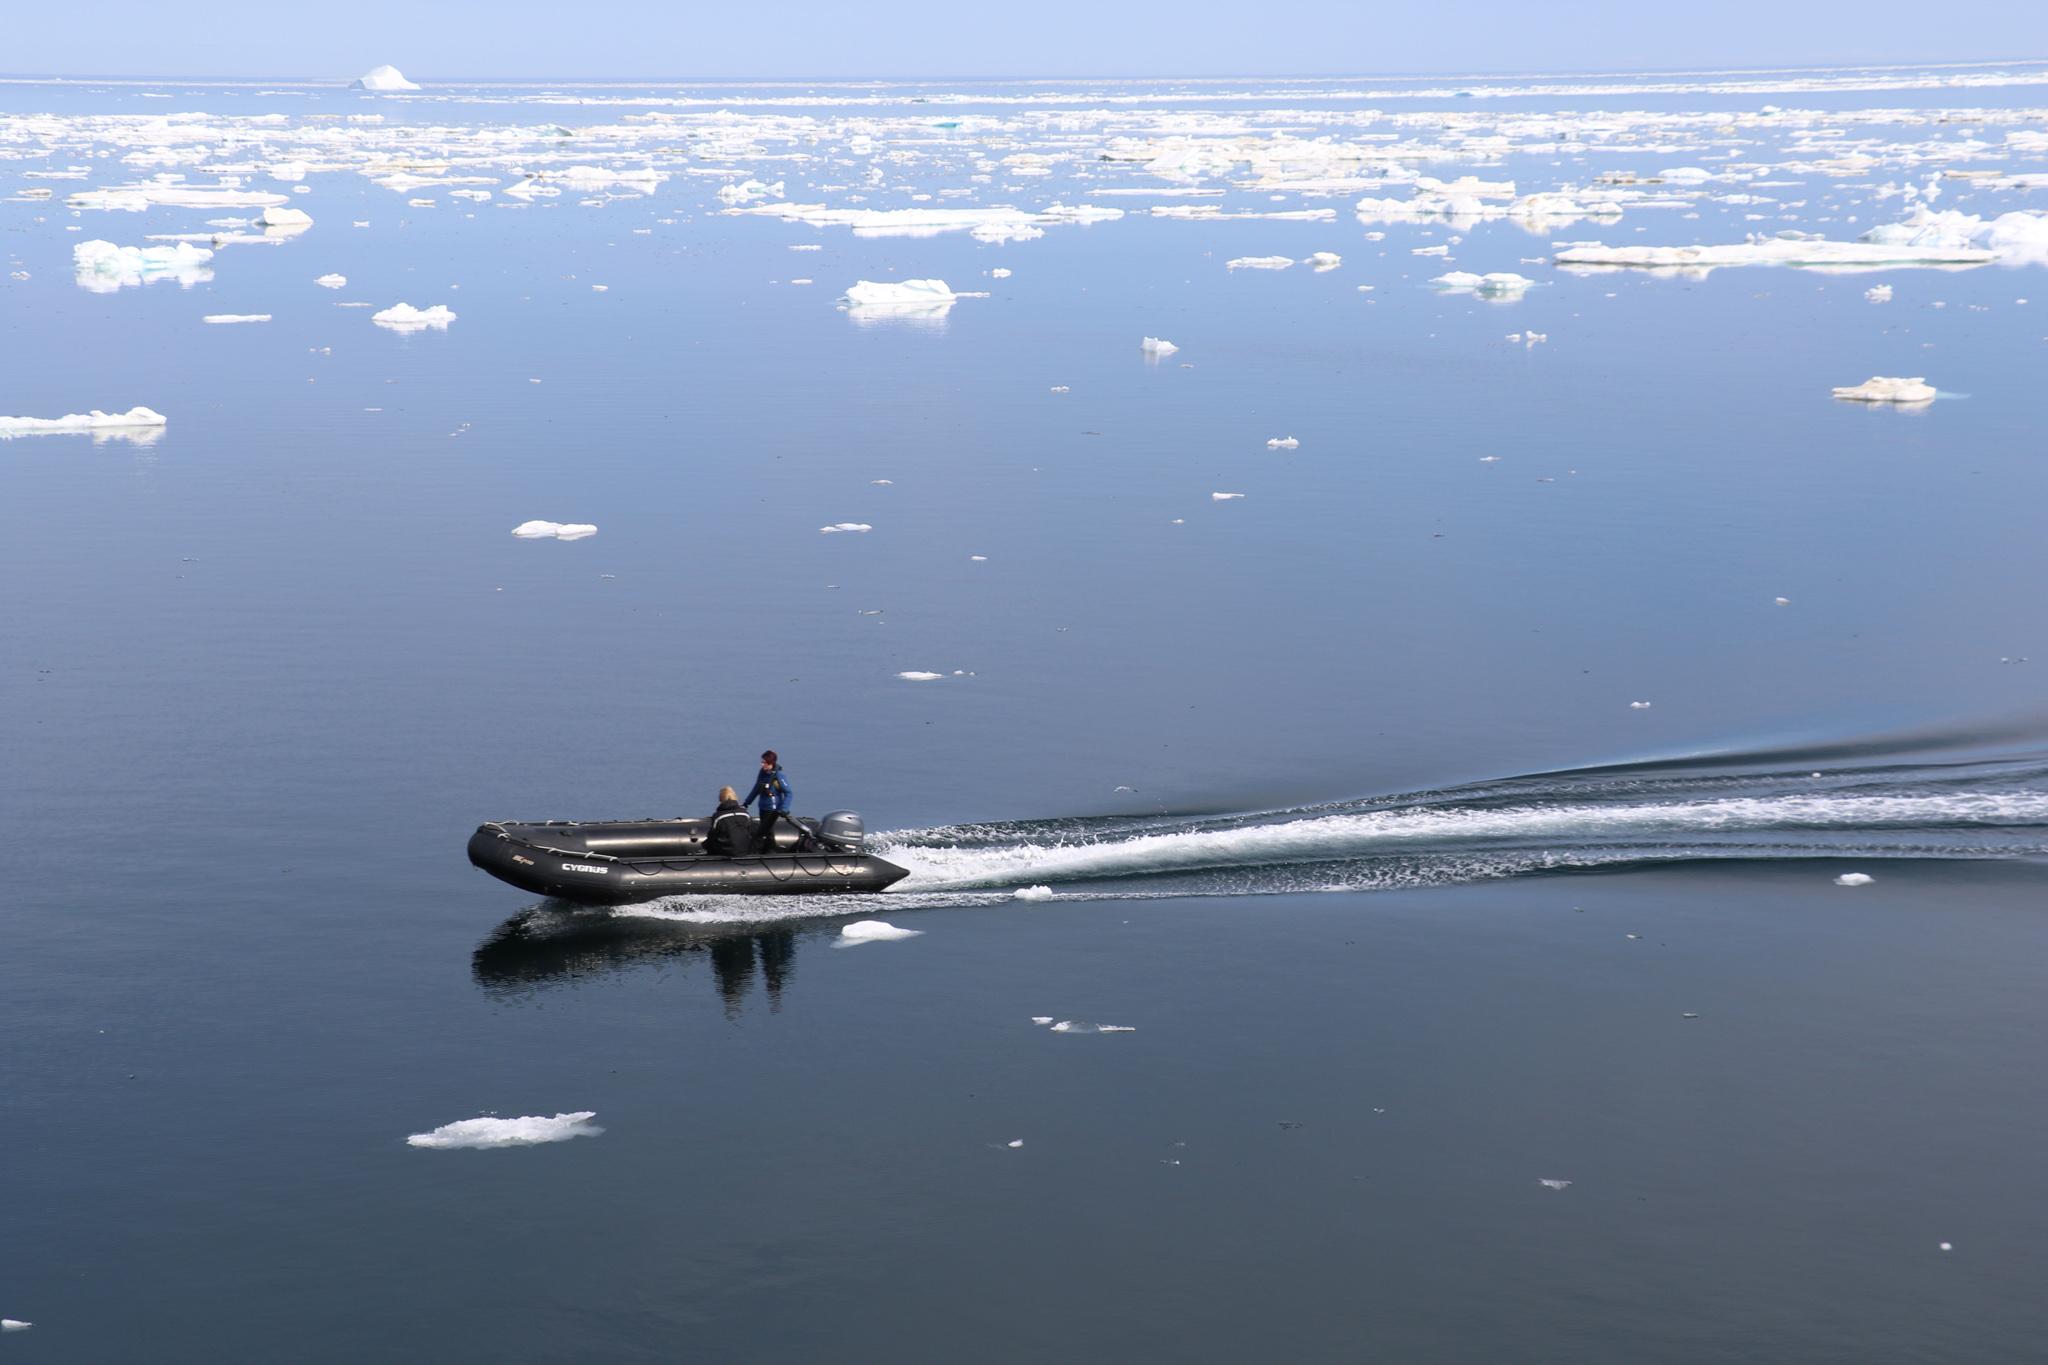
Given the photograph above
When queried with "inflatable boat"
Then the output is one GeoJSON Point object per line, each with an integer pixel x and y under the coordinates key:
{"type": "Point", "coordinates": [618, 862]}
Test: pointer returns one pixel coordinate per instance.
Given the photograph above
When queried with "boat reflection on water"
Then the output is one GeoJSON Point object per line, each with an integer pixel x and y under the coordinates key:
{"type": "Point", "coordinates": [553, 945]}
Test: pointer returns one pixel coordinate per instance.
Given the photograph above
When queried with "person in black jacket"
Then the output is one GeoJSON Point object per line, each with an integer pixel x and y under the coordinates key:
{"type": "Point", "coordinates": [732, 830]}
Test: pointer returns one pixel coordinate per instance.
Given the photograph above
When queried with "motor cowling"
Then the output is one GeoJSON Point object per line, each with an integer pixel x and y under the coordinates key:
{"type": "Point", "coordinates": [843, 831]}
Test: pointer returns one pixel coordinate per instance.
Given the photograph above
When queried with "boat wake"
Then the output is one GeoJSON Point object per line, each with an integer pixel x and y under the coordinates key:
{"type": "Point", "coordinates": [1590, 819]}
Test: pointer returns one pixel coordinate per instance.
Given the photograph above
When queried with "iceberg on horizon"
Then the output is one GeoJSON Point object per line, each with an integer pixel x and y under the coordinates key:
{"type": "Point", "coordinates": [382, 79]}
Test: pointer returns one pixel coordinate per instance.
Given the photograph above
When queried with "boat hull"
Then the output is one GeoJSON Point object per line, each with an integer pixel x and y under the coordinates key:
{"type": "Point", "coordinates": [550, 860]}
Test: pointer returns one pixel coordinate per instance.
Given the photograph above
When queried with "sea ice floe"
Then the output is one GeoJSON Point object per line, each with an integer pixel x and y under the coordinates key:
{"type": "Point", "coordinates": [1879, 389]}
{"type": "Point", "coordinates": [838, 526]}
{"type": "Point", "coordinates": [1878, 293]}
{"type": "Point", "coordinates": [1499, 283]}
{"type": "Point", "coordinates": [1041, 1019]}
{"type": "Point", "coordinates": [331, 281]}
{"type": "Point", "coordinates": [295, 220]}
{"type": "Point", "coordinates": [904, 295]}
{"type": "Point", "coordinates": [1639, 706]}
{"type": "Point", "coordinates": [553, 530]}
{"type": "Point", "coordinates": [526, 1131]}
{"type": "Point", "coordinates": [1032, 893]}
{"type": "Point", "coordinates": [1261, 263]}
{"type": "Point", "coordinates": [1224, 497]}
{"type": "Point", "coordinates": [103, 267]}
{"type": "Point", "coordinates": [1157, 346]}
{"type": "Point", "coordinates": [1283, 443]}
{"type": "Point", "coordinates": [235, 317]}
{"type": "Point", "coordinates": [1854, 879]}
{"type": "Point", "coordinates": [918, 675]}
{"type": "Point", "coordinates": [17, 1325]}
{"type": "Point", "coordinates": [999, 273]}
{"type": "Point", "coordinates": [1555, 1184]}
{"type": "Point", "coordinates": [1324, 260]}
{"type": "Point", "coordinates": [874, 931]}
{"type": "Point", "coordinates": [137, 422]}
{"type": "Point", "coordinates": [747, 191]}
{"type": "Point", "coordinates": [1083, 1026]}
{"type": "Point", "coordinates": [984, 224]}
{"type": "Point", "coordinates": [1809, 253]}
{"type": "Point", "coordinates": [382, 79]}
{"type": "Point", "coordinates": [173, 193]}
{"type": "Point", "coordinates": [403, 317]}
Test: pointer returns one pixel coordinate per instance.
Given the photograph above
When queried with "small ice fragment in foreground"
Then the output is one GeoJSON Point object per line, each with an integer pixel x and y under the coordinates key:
{"type": "Point", "coordinates": [999, 273]}
{"type": "Point", "coordinates": [977, 559]}
{"type": "Point", "coordinates": [331, 281]}
{"type": "Point", "coordinates": [236, 317]}
{"type": "Point", "coordinates": [1878, 293]}
{"type": "Point", "coordinates": [284, 218]}
{"type": "Point", "coordinates": [1945, 1246]}
{"type": "Point", "coordinates": [1782, 601]}
{"type": "Point", "coordinates": [1854, 879]}
{"type": "Point", "coordinates": [1555, 1184]}
{"type": "Point", "coordinates": [1032, 893]}
{"type": "Point", "coordinates": [919, 675]}
{"type": "Point", "coordinates": [1324, 260]}
{"type": "Point", "coordinates": [382, 78]}
{"type": "Point", "coordinates": [1878, 389]}
{"type": "Point", "coordinates": [1224, 497]}
{"type": "Point", "coordinates": [403, 317]}
{"type": "Point", "coordinates": [1157, 346]}
{"type": "Point", "coordinates": [838, 526]}
{"type": "Point", "coordinates": [17, 1325]}
{"type": "Point", "coordinates": [1282, 443]}
{"type": "Point", "coordinates": [874, 931]}
{"type": "Point", "coordinates": [1489, 459]}
{"type": "Point", "coordinates": [1061, 388]}
{"type": "Point", "coordinates": [1083, 1026]}
{"type": "Point", "coordinates": [104, 268]}
{"type": "Point", "coordinates": [94, 421]}
{"type": "Point", "coordinates": [1016, 1142]}
{"type": "Point", "coordinates": [519, 1132]}
{"type": "Point", "coordinates": [544, 530]}
{"type": "Point", "coordinates": [1639, 706]}
{"type": "Point", "coordinates": [1260, 263]}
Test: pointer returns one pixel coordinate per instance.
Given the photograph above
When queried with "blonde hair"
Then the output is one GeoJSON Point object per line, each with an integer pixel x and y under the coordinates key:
{"type": "Point", "coordinates": [728, 794]}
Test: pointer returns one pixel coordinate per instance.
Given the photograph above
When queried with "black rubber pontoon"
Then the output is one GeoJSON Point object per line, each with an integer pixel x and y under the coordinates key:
{"type": "Point", "coordinates": [617, 862]}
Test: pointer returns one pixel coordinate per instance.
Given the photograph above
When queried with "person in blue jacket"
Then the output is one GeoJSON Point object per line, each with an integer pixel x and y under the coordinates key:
{"type": "Point", "coordinates": [772, 789]}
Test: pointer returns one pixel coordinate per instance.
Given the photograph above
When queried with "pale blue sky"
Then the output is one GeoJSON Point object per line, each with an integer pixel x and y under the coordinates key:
{"type": "Point", "coordinates": [563, 39]}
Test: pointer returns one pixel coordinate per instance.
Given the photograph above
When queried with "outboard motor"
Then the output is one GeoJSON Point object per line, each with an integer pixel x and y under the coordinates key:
{"type": "Point", "coordinates": [842, 832]}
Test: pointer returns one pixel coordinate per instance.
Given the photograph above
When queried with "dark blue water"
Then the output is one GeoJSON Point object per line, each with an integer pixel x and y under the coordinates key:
{"type": "Point", "coordinates": [1338, 786]}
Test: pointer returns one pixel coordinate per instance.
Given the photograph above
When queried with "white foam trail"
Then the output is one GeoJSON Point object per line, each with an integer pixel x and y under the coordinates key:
{"type": "Point", "coordinates": [1335, 837]}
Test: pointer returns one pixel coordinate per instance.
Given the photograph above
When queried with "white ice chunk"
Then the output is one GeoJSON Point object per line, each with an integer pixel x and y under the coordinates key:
{"type": "Point", "coordinates": [103, 267]}
{"type": "Point", "coordinates": [916, 675]}
{"type": "Point", "coordinates": [1041, 1019]}
{"type": "Point", "coordinates": [296, 219]}
{"type": "Point", "coordinates": [332, 281]}
{"type": "Point", "coordinates": [1224, 497]}
{"type": "Point", "coordinates": [382, 79]}
{"type": "Point", "coordinates": [917, 295]}
{"type": "Point", "coordinates": [747, 191]}
{"type": "Point", "coordinates": [553, 530]}
{"type": "Point", "coordinates": [1878, 293]}
{"type": "Point", "coordinates": [520, 1132]}
{"type": "Point", "coordinates": [1157, 346]}
{"type": "Point", "coordinates": [1083, 1026]}
{"type": "Point", "coordinates": [839, 526]}
{"type": "Point", "coordinates": [1639, 706]}
{"type": "Point", "coordinates": [1854, 879]}
{"type": "Point", "coordinates": [1324, 260]}
{"type": "Point", "coordinates": [1878, 389]}
{"type": "Point", "coordinates": [1261, 263]}
{"type": "Point", "coordinates": [235, 317]}
{"type": "Point", "coordinates": [1283, 443]}
{"type": "Point", "coordinates": [403, 317]}
{"type": "Point", "coordinates": [874, 931]}
{"type": "Point", "coordinates": [1497, 283]}
{"type": "Point", "coordinates": [1555, 1184]}
{"type": "Point", "coordinates": [1032, 893]}
{"type": "Point", "coordinates": [97, 423]}
{"type": "Point", "coordinates": [999, 273]}
{"type": "Point", "coordinates": [17, 1325]}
